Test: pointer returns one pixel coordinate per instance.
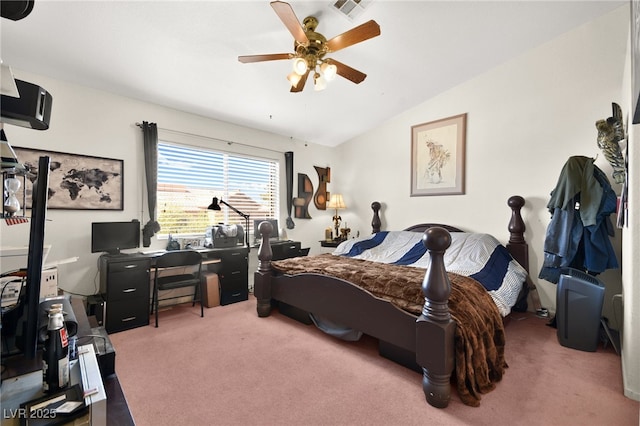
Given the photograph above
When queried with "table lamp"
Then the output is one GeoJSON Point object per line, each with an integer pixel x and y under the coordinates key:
{"type": "Point", "coordinates": [336, 202]}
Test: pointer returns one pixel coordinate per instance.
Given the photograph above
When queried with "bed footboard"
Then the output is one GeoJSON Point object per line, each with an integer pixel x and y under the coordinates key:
{"type": "Point", "coordinates": [435, 328]}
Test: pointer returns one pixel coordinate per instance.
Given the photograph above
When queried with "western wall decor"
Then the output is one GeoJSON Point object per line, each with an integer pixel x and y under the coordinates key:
{"type": "Point", "coordinates": [635, 61]}
{"type": "Point", "coordinates": [322, 196]}
{"type": "Point", "coordinates": [288, 158]}
{"type": "Point", "coordinates": [438, 156]}
{"type": "Point", "coordinates": [305, 192]}
{"type": "Point", "coordinates": [77, 182]}
{"type": "Point", "coordinates": [610, 133]}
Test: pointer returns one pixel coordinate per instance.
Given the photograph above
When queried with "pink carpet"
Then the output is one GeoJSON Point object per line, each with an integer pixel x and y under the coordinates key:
{"type": "Point", "coordinates": [233, 368]}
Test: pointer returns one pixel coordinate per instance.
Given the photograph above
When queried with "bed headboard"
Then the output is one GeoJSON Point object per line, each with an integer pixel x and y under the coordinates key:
{"type": "Point", "coordinates": [517, 245]}
{"type": "Point", "coordinates": [421, 227]}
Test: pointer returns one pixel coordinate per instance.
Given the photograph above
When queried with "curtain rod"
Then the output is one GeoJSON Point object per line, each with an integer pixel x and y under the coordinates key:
{"type": "Point", "coordinates": [212, 138]}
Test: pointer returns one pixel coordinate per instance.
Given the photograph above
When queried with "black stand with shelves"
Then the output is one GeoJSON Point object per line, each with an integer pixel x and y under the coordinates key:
{"type": "Point", "coordinates": [233, 273]}
{"type": "Point", "coordinates": [124, 284]}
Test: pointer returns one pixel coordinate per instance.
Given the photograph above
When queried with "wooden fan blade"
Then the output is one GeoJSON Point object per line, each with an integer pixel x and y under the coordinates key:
{"type": "Point", "coordinates": [301, 83]}
{"type": "Point", "coordinates": [355, 35]}
{"type": "Point", "coordinates": [290, 20]}
{"type": "Point", "coordinates": [260, 58]}
{"type": "Point", "coordinates": [347, 72]}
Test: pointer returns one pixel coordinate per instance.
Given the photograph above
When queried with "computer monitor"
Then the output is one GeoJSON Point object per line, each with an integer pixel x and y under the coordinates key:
{"type": "Point", "coordinates": [111, 237]}
{"type": "Point", "coordinates": [256, 231]}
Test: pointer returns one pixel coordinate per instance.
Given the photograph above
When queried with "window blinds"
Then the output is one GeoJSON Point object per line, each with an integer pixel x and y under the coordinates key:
{"type": "Point", "coordinates": [188, 178]}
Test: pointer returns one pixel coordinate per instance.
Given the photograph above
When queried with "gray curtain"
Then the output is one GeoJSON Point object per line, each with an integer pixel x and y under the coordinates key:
{"type": "Point", "coordinates": [150, 134]}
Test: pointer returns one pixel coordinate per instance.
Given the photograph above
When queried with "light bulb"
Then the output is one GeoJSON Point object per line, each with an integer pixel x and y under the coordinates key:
{"type": "Point", "coordinates": [300, 66]}
{"type": "Point", "coordinates": [329, 71]}
{"type": "Point", "coordinates": [294, 79]}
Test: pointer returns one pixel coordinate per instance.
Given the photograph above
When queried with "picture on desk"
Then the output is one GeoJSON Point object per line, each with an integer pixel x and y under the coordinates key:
{"type": "Point", "coordinates": [219, 236]}
{"type": "Point", "coordinates": [256, 229]}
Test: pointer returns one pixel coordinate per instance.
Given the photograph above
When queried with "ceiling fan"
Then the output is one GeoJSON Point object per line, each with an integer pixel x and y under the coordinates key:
{"type": "Point", "coordinates": [311, 47]}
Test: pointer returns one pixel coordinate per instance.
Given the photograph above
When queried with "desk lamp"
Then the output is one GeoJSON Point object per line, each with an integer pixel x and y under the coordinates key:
{"type": "Point", "coordinates": [215, 205]}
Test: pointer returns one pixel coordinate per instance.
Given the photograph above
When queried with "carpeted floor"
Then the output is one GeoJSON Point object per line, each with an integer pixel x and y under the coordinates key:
{"type": "Point", "coordinates": [233, 368]}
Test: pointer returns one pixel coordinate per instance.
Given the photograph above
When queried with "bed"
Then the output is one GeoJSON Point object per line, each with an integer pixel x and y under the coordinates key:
{"type": "Point", "coordinates": [453, 323]}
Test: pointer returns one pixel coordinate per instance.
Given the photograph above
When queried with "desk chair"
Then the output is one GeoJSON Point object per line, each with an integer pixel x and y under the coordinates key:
{"type": "Point", "coordinates": [189, 278]}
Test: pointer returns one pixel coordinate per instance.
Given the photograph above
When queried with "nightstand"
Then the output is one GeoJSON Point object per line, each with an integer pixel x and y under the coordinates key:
{"type": "Point", "coordinates": [331, 243]}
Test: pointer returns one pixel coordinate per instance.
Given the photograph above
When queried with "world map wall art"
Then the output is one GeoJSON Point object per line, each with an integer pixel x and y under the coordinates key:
{"type": "Point", "coordinates": [76, 182]}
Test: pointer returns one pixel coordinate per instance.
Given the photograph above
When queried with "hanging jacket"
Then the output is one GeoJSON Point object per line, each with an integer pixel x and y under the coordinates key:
{"type": "Point", "coordinates": [578, 176]}
{"type": "Point", "coordinates": [578, 235]}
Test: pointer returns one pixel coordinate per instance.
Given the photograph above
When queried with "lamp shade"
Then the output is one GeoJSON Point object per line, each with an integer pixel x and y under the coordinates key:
{"type": "Point", "coordinates": [329, 71]}
{"type": "Point", "coordinates": [336, 202]}
{"type": "Point", "coordinates": [300, 66]}
{"type": "Point", "coordinates": [294, 78]}
{"type": "Point", "coordinates": [214, 204]}
{"type": "Point", "coordinates": [319, 82]}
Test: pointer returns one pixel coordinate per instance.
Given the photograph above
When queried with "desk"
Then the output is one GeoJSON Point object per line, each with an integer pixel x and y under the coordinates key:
{"type": "Point", "coordinates": [125, 283]}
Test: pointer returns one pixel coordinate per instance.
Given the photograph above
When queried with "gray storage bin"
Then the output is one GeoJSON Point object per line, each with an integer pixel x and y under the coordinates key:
{"type": "Point", "coordinates": [579, 309]}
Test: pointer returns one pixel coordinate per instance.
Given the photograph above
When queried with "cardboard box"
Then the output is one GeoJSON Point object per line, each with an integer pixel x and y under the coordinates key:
{"type": "Point", "coordinates": [210, 289]}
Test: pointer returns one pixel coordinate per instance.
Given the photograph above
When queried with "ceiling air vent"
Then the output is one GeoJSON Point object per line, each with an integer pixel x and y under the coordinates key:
{"type": "Point", "coordinates": [350, 8]}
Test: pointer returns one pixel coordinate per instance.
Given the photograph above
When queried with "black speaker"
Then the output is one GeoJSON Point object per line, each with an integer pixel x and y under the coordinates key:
{"type": "Point", "coordinates": [32, 109]}
{"type": "Point", "coordinates": [16, 9]}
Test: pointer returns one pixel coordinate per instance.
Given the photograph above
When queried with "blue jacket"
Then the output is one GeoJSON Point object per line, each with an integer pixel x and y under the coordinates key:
{"type": "Point", "coordinates": [568, 243]}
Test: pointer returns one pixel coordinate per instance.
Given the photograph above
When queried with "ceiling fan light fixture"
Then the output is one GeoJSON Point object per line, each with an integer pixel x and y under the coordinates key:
{"type": "Point", "coordinates": [294, 78]}
{"type": "Point", "coordinates": [329, 71]}
{"type": "Point", "coordinates": [310, 47]}
{"type": "Point", "coordinates": [300, 66]}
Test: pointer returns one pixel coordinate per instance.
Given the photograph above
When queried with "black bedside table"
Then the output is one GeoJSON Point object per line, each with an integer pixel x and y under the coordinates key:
{"type": "Point", "coordinates": [331, 243]}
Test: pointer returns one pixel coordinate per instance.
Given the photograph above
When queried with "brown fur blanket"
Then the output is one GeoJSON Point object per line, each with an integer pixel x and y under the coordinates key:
{"type": "Point", "coordinates": [479, 336]}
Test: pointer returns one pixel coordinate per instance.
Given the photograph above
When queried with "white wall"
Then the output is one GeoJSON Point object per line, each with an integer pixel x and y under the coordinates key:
{"type": "Point", "coordinates": [525, 118]}
{"type": "Point", "coordinates": [90, 122]}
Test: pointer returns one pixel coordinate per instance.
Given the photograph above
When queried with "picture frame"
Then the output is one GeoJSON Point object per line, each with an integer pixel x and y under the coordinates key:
{"type": "Point", "coordinates": [438, 156]}
{"type": "Point", "coordinates": [76, 182]}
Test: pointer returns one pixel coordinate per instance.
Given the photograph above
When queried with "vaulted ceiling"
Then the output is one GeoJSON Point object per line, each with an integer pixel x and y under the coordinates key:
{"type": "Point", "coordinates": [183, 54]}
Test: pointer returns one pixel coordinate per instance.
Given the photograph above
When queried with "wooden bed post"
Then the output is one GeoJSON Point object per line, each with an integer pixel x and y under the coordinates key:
{"type": "Point", "coordinates": [519, 248]}
{"type": "Point", "coordinates": [435, 328]}
{"type": "Point", "coordinates": [517, 245]}
{"type": "Point", "coordinates": [262, 277]}
{"type": "Point", "coordinates": [375, 222]}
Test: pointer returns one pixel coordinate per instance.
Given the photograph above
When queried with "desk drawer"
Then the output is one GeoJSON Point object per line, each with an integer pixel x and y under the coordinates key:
{"type": "Point", "coordinates": [233, 273]}
{"type": "Point", "coordinates": [128, 314]}
{"type": "Point", "coordinates": [128, 285]}
{"type": "Point", "coordinates": [236, 296]}
{"type": "Point", "coordinates": [234, 258]}
{"type": "Point", "coordinates": [129, 265]}
{"type": "Point", "coordinates": [232, 291]}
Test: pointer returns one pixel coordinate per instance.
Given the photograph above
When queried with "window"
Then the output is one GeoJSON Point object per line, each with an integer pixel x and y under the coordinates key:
{"type": "Point", "coordinates": [188, 178]}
